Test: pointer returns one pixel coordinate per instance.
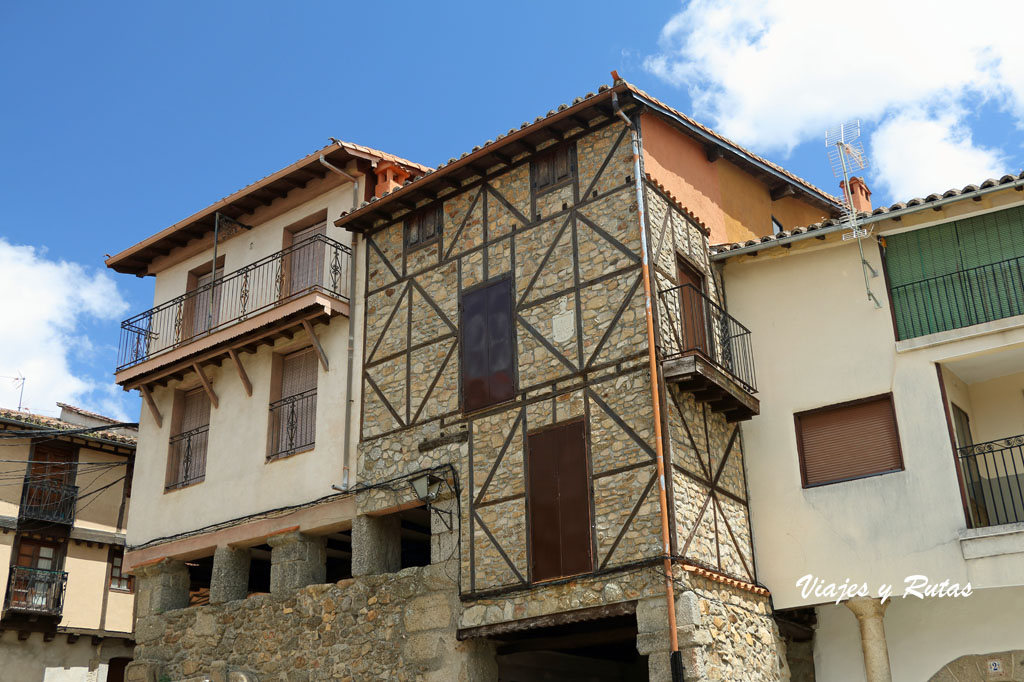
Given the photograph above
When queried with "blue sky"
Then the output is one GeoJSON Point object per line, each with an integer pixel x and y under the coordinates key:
{"type": "Point", "coordinates": [122, 118]}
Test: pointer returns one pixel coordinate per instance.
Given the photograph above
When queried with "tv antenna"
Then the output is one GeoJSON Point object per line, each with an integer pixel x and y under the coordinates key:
{"type": "Point", "coordinates": [846, 155]}
{"type": "Point", "coordinates": [19, 383]}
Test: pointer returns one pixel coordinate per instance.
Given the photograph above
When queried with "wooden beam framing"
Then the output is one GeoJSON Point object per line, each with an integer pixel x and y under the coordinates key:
{"type": "Point", "coordinates": [207, 386]}
{"type": "Point", "coordinates": [316, 344]}
{"type": "Point", "coordinates": [241, 371]}
{"type": "Point", "coordinates": [154, 410]}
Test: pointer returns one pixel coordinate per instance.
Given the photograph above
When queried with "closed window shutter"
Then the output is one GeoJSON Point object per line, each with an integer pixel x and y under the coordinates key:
{"type": "Point", "coordinates": [849, 441]}
{"type": "Point", "coordinates": [488, 357]}
{"type": "Point", "coordinates": [295, 420]}
{"type": "Point", "coordinates": [298, 373]}
{"type": "Point", "coordinates": [195, 411]}
{"type": "Point", "coordinates": [306, 263]}
{"type": "Point", "coordinates": [559, 499]}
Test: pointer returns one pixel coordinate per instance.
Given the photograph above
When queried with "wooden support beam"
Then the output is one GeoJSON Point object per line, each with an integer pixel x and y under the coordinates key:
{"type": "Point", "coordinates": [783, 191]}
{"type": "Point", "coordinates": [241, 371]}
{"type": "Point", "coordinates": [316, 344]}
{"type": "Point", "coordinates": [207, 386]}
{"type": "Point", "coordinates": [153, 409]}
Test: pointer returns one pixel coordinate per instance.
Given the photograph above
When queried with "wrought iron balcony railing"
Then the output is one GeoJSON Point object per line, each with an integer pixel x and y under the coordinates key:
{"type": "Point", "coordinates": [49, 502]}
{"type": "Point", "coordinates": [314, 264]}
{"type": "Point", "coordinates": [694, 324]}
{"type": "Point", "coordinates": [36, 591]}
{"type": "Point", "coordinates": [292, 424]}
{"type": "Point", "coordinates": [187, 459]}
{"type": "Point", "coordinates": [993, 474]}
{"type": "Point", "coordinates": [959, 299]}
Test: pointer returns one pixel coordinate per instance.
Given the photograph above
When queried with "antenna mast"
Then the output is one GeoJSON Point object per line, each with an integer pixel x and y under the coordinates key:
{"type": "Point", "coordinates": [846, 155]}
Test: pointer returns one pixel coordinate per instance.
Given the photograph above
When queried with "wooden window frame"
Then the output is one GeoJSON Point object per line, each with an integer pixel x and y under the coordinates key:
{"type": "Point", "coordinates": [177, 413]}
{"type": "Point", "coordinates": [513, 342]}
{"type": "Point", "coordinates": [838, 406]}
{"type": "Point", "coordinates": [414, 223]}
{"type": "Point", "coordinates": [189, 327]}
{"type": "Point", "coordinates": [127, 579]}
{"type": "Point", "coordinates": [542, 156]}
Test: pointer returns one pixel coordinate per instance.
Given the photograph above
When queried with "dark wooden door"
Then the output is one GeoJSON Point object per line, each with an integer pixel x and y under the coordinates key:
{"type": "Point", "coordinates": [31, 590]}
{"type": "Point", "coordinates": [693, 317]}
{"type": "Point", "coordinates": [559, 502]}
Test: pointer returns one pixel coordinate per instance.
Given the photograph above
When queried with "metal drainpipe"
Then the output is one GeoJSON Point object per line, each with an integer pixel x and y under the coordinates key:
{"type": "Point", "coordinates": [670, 593]}
{"type": "Point", "coordinates": [347, 448]}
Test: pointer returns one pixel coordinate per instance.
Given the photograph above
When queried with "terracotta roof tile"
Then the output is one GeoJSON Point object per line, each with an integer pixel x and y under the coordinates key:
{"type": "Point", "coordinates": [880, 211]}
{"type": "Point", "coordinates": [44, 422]}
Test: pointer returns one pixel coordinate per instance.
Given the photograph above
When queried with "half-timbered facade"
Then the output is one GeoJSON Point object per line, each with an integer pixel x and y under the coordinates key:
{"type": "Point", "coordinates": [509, 355]}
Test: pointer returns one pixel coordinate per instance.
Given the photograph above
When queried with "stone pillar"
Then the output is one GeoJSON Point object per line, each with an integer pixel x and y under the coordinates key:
{"type": "Point", "coordinates": [869, 612]}
{"type": "Point", "coordinates": [161, 587]}
{"type": "Point", "coordinates": [652, 638]}
{"type": "Point", "coordinates": [296, 560]}
{"type": "Point", "coordinates": [230, 580]}
{"type": "Point", "coordinates": [376, 545]}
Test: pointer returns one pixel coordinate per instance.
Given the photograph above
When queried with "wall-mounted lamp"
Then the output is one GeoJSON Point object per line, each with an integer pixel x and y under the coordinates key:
{"type": "Point", "coordinates": [426, 486]}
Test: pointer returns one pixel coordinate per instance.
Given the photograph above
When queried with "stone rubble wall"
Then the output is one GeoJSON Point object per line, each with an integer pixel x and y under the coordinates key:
{"type": "Point", "coordinates": [354, 630]}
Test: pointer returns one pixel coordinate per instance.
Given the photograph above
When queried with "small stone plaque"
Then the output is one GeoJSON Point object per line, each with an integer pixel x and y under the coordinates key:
{"type": "Point", "coordinates": [563, 324]}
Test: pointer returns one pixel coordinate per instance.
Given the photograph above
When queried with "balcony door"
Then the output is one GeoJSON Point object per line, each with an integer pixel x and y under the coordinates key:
{"type": "Point", "coordinates": [47, 494]}
{"type": "Point", "coordinates": [694, 333]}
{"type": "Point", "coordinates": [305, 260]}
{"type": "Point", "coordinates": [203, 307]}
{"type": "Point", "coordinates": [34, 580]}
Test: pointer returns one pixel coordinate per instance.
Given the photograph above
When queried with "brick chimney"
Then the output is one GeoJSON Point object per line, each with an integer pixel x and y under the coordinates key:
{"type": "Point", "coordinates": [390, 176]}
{"type": "Point", "coordinates": [860, 193]}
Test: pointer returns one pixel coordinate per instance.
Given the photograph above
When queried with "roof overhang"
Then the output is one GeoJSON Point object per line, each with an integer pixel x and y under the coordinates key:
{"type": "Point", "coordinates": [136, 259]}
{"type": "Point", "coordinates": [557, 125]}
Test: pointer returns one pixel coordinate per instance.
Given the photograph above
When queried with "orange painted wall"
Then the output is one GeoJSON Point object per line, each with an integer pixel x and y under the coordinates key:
{"type": "Point", "coordinates": [732, 203]}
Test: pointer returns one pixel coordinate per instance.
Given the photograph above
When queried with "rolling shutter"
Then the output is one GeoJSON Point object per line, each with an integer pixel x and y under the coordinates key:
{"type": "Point", "coordinates": [558, 495]}
{"type": "Point", "coordinates": [848, 441]}
{"type": "Point", "coordinates": [488, 358]}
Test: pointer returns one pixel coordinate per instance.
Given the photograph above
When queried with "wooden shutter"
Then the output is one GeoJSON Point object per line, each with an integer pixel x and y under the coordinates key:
{"type": "Point", "coordinates": [488, 357]}
{"type": "Point", "coordinates": [298, 372]}
{"type": "Point", "coordinates": [195, 410]}
{"type": "Point", "coordinates": [558, 495]}
{"type": "Point", "coordinates": [306, 263]}
{"type": "Point", "coordinates": [848, 441]}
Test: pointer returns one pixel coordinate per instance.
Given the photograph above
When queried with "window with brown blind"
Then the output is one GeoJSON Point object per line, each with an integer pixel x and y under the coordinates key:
{"type": "Point", "coordinates": [558, 499]}
{"type": "Point", "coordinates": [186, 463]}
{"type": "Point", "coordinates": [488, 349]}
{"type": "Point", "coordinates": [424, 227]}
{"type": "Point", "coordinates": [293, 416]}
{"type": "Point", "coordinates": [551, 168]}
{"type": "Point", "coordinates": [847, 441]}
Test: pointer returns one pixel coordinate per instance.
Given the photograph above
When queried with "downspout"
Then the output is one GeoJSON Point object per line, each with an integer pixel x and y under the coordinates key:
{"type": "Point", "coordinates": [670, 593]}
{"type": "Point", "coordinates": [347, 448]}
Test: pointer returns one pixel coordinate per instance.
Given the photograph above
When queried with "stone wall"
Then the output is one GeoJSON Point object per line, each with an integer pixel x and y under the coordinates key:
{"type": "Point", "coordinates": [354, 630]}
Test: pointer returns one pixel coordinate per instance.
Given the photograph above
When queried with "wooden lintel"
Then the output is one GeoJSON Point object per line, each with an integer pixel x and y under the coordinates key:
{"type": "Point", "coordinates": [241, 371]}
{"type": "Point", "coordinates": [316, 344]}
{"type": "Point", "coordinates": [207, 386]}
{"type": "Point", "coordinates": [154, 410]}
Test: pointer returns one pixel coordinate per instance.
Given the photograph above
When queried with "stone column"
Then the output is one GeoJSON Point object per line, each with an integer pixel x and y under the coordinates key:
{"type": "Point", "coordinates": [296, 560]}
{"type": "Point", "coordinates": [161, 587]}
{"type": "Point", "coordinates": [869, 612]}
{"type": "Point", "coordinates": [376, 544]}
{"type": "Point", "coordinates": [652, 638]}
{"type": "Point", "coordinates": [230, 580]}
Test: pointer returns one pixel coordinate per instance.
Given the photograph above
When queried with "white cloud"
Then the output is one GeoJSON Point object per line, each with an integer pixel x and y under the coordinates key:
{"type": "Point", "coordinates": [773, 74]}
{"type": "Point", "coordinates": [45, 304]}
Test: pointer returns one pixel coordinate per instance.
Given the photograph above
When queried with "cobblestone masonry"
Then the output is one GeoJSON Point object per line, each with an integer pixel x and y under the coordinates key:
{"type": "Point", "coordinates": [352, 631]}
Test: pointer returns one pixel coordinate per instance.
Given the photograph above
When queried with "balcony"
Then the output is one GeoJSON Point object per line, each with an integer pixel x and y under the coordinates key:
{"type": "Point", "coordinates": [707, 352]}
{"type": "Point", "coordinates": [993, 477]}
{"type": "Point", "coordinates": [310, 274]}
{"type": "Point", "coordinates": [292, 424]}
{"type": "Point", "coordinates": [48, 502]}
{"type": "Point", "coordinates": [35, 591]}
{"type": "Point", "coordinates": [187, 459]}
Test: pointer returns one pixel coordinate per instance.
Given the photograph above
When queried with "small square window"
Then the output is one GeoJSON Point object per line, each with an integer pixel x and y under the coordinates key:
{"type": "Point", "coordinates": [553, 167]}
{"type": "Point", "coordinates": [423, 227]}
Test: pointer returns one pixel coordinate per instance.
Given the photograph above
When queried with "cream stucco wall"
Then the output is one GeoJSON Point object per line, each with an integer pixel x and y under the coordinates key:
{"type": "Point", "coordinates": [239, 481]}
{"type": "Point", "coordinates": [13, 473]}
{"type": "Point", "coordinates": [101, 509]}
{"type": "Point", "coordinates": [922, 635]}
{"type": "Point", "coordinates": [818, 341]}
{"type": "Point", "coordinates": [36, 660]}
{"type": "Point", "coordinates": [88, 571]}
